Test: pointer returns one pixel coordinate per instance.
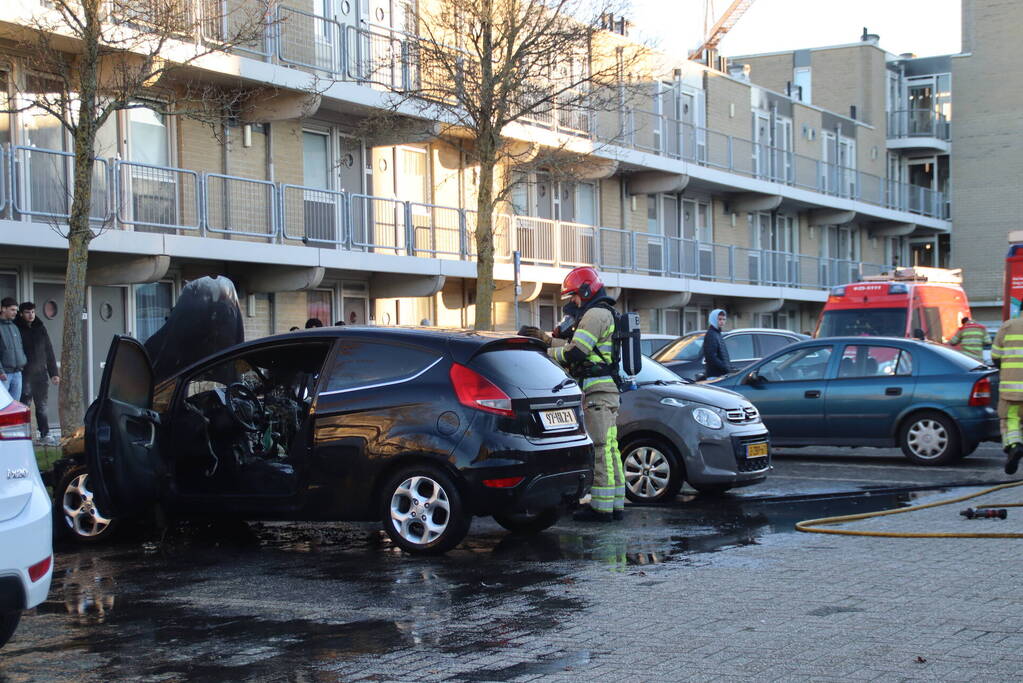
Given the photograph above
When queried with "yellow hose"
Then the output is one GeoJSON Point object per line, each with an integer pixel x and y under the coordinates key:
{"type": "Point", "coordinates": [809, 525]}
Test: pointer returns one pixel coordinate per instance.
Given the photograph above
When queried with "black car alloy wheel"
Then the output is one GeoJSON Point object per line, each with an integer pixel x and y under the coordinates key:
{"type": "Point", "coordinates": [75, 509]}
{"type": "Point", "coordinates": [422, 510]}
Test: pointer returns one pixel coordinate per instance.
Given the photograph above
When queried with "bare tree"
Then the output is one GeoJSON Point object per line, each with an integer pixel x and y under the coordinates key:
{"type": "Point", "coordinates": [101, 56]}
{"type": "Point", "coordinates": [482, 66]}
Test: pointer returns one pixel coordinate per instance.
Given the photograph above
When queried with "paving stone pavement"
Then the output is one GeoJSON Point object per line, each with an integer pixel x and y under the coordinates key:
{"type": "Point", "coordinates": [795, 607]}
{"type": "Point", "coordinates": [761, 607]}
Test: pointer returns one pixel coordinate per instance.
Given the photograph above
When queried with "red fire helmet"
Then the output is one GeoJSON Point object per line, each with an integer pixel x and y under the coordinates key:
{"type": "Point", "coordinates": [583, 281]}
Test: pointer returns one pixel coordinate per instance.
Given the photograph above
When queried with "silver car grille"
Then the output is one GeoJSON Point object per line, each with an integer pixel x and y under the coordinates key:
{"type": "Point", "coordinates": [743, 415]}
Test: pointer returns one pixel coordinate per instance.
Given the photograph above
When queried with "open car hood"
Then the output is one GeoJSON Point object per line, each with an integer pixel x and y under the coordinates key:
{"type": "Point", "coordinates": [205, 320]}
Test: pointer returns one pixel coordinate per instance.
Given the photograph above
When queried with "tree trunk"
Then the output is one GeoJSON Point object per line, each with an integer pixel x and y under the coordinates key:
{"type": "Point", "coordinates": [72, 355]}
{"type": "Point", "coordinates": [485, 244]}
{"type": "Point", "coordinates": [72, 402]}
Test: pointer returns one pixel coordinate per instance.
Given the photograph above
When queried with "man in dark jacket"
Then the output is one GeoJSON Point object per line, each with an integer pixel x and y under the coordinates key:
{"type": "Point", "coordinates": [715, 354]}
{"type": "Point", "coordinates": [12, 352]}
{"type": "Point", "coordinates": [41, 368]}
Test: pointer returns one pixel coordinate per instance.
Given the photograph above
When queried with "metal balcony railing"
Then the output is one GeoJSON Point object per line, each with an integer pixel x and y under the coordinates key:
{"type": "Point", "coordinates": [918, 123]}
{"type": "Point", "coordinates": [35, 186]}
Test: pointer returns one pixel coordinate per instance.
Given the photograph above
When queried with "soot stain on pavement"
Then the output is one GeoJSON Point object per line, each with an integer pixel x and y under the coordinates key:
{"type": "Point", "coordinates": [547, 666]}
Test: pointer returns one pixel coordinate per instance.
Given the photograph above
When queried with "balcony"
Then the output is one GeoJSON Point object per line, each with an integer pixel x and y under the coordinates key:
{"type": "Point", "coordinates": [656, 134]}
{"type": "Point", "coordinates": [919, 129]}
{"type": "Point", "coordinates": [134, 197]}
{"type": "Point", "coordinates": [388, 58]}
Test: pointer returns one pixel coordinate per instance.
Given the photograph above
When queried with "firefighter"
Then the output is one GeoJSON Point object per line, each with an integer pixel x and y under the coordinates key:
{"type": "Point", "coordinates": [970, 338]}
{"type": "Point", "coordinates": [1007, 354]}
{"type": "Point", "coordinates": [587, 352]}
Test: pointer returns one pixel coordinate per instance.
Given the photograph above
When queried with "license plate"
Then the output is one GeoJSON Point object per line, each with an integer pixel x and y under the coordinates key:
{"type": "Point", "coordinates": [756, 450]}
{"type": "Point", "coordinates": [558, 419]}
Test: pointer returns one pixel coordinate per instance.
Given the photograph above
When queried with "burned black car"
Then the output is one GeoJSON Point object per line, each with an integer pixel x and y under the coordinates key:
{"type": "Point", "coordinates": [418, 429]}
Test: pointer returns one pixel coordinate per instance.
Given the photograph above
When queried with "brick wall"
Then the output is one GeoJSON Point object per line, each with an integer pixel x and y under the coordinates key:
{"type": "Point", "coordinates": [770, 71]}
{"type": "Point", "coordinates": [722, 95]}
{"type": "Point", "coordinates": [987, 168]}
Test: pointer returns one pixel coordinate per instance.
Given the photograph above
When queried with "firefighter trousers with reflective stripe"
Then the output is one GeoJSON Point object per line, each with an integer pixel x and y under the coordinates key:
{"type": "Point", "coordinates": [1009, 413]}
{"type": "Point", "coordinates": [600, 412]}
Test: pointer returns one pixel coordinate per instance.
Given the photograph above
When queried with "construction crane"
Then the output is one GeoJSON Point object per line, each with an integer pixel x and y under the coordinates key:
{"type": "Point", "coordinates": [719, 29]}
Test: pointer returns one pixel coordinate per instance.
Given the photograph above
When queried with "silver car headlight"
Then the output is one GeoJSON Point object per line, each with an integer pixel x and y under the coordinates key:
{"type": "Point", "coordinates": [708, 418]}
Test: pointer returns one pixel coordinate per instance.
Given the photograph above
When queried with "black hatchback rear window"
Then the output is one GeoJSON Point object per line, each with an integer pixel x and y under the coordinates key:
{"type": "Point", "coordinates": [365, 364]}
{"type": "Point", "coordinates": [525, 369]}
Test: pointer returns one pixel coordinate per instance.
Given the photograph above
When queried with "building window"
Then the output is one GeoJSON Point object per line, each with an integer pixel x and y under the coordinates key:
{"type": "Point", "coordinates": [153, 303]}
{"type": "Point", "coordinates": [586, 203]}
{"type": "Point", "coordinates": [801, 83]}
{"type": "Point", "coordinates": [316, 160]}
{"type": "Point", "coordinates": [318, 305]}
{"type": "Point", "coordinates": [148, 141]}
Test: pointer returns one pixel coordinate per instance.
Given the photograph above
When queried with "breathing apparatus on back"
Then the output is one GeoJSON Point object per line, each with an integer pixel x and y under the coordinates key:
{"type": "Point", "coordinates": [626, 353]}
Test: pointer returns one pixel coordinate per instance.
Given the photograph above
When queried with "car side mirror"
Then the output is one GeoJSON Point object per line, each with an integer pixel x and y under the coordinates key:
{"type": "Point", "coordinates": [754, 378]}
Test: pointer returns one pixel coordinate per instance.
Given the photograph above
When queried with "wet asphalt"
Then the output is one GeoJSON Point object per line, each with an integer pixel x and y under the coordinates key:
{"type": "Point", "coordinates": [290, 601]}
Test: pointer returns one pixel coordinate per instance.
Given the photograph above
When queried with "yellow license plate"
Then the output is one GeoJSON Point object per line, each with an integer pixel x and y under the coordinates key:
{"type": "Point", "coordinates": [558, 419]}
{"type": "Point", "coordinates": [756, 450]}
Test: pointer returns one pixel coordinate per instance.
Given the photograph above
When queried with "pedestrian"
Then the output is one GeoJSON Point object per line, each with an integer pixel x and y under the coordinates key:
{"type": "Point", "coordinates": [588, 355]}
{"type": "Point", "coordinates": [40, 367]}
{"type": "Point", "coordinates": [313, 322]}
{"type": "Point", "coordinates": [970, 338]}
{"type": "Point", "coordinates": [12, 352]}
{"type": "Point", "coordinates": [1007, 354]}
{"type": "Point", "coordinates": [715, 353]}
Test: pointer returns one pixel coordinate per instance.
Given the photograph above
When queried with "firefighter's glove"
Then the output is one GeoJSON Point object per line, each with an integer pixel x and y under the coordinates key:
{"type": "Point", "coordinates": [535, 333]}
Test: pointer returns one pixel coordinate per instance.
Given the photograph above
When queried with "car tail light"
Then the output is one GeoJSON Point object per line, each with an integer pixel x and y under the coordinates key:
{"type": "Point", "coordinates": [39, 569]}
{"type": "Point", "coordinates": [476, 391]}
{"type": "Point", "coordinates": [505, 483]}
{"type": "Point", "coordinates": [15, 422]}
{"type": "Point", "coordinates": [981, 393]}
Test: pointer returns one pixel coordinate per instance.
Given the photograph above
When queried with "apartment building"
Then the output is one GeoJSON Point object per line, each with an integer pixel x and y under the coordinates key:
{"type": "Point", "coordinates": [904, 104]}
{"type": "Point", "coordinates": [712, 189]}
{"type": "Point", "coordinates": [988, 167]}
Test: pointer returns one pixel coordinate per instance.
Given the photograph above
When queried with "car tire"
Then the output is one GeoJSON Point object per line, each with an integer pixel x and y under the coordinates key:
{"type": "Point", "coordinates": [406, 515]}
{"type": "Point", "coordinates": [653, 473]}
{"type": "Point", "coordinates": [528, 524]}
{"type": "Point", "coordinates": [930, 438]}
{"type": "Point", "coordinates": [711, 489]}
{"type": "Point", "coordinates": [8, 624]}
{"type": "Point", "coordinates": [75, 514]}
{"type": "Point", "coordinates": [969, 448]}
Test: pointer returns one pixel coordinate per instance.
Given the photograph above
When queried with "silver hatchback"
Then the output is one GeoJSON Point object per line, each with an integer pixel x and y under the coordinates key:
{"type": "Point", "coordinates": [672, 431]}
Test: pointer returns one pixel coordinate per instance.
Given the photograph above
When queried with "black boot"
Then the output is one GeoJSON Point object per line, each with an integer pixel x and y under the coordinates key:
{"type": "Point", "coordinates": [588, 514]}
{"type": "Point", "coordinates": [618, 515]}
{"type": "Point", "coordinates": [1013, 455]}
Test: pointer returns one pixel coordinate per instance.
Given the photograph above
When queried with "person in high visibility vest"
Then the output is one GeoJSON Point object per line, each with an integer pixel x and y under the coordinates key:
{"type": "Point", "coordinates": [970, 338]}
{"type": "Point", "coordinates": [586, 350]}
{"type": "Point", "coordinates": [1007, 354]}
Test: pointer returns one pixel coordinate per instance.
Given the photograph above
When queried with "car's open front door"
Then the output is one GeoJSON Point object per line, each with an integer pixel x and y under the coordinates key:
{"type": "Point", "coordinates": [121, 443]}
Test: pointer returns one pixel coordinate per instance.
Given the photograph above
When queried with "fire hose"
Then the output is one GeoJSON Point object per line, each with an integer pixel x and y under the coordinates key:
{"type": "Point", "coordinates": [816, 526]}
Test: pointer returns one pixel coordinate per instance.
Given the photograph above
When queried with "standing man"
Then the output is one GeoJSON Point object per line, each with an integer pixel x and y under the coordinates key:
{"type": "Point", "coordinates": [1007, 354]}
{"type": "Point", "coordinates": [41, 368]}
{"type": "Point", "coordinates": [12, 353]}
{"type": "Point", "coordinates": [589, 358]}
{"type": "Point", "coordinates": [715, 354]}
{"type": "Point", "coordinates": [970, 338]}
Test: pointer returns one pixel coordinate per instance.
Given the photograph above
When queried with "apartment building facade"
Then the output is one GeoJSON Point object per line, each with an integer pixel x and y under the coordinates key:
{"type": "Point", "coordinates": [713, 190]}
{"type": "Point", "coordinates": [987, 167]}
{"type": "Point", "coordinates": [905, 103]}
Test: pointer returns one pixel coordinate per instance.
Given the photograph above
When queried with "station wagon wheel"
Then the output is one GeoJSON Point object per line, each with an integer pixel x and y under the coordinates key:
{"type": "Point", "coordinates": [75, 509]}
{"type": "Point", "coordinates": [422, 510]}
{"type": "Point", "coordinates": [652, 471]}
{"type": "Point", "coordinates": [930, 438]}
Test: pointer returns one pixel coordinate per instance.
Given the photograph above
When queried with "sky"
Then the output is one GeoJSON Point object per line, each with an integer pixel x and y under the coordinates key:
{"type": "Point", "coordinates": [924, 27]}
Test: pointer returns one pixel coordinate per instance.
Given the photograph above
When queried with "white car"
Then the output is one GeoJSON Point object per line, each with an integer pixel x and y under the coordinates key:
{"type": "Point", "coordinates": [26, 541]}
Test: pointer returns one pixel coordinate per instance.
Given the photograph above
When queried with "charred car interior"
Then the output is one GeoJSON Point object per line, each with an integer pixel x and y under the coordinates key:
{"type": "Point", "coordinates": [237, 423]}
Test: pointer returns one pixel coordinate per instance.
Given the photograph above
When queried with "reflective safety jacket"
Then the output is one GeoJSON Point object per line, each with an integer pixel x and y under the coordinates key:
{"type": "Point", "coordinates": [1008, 347]}
{"type": "Point", "coordinates": [592, 343]}
{"type": "Point", "coordinates": [970, 338]}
